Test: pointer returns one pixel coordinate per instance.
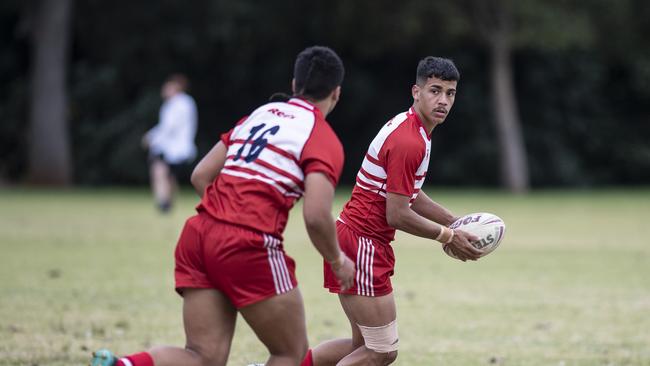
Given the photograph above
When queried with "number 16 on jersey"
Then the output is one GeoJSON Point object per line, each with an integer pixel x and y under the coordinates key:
{"type": "Point", "coordinates": [258, 144]}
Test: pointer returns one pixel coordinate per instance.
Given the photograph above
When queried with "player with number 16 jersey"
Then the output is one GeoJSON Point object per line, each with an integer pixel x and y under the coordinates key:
{"type": "Point", "coordinates": [269, 153]}
{"type": "Point", "coordinates": [282, 151]}
{"type": "Point", "coordinates": [230, 258]}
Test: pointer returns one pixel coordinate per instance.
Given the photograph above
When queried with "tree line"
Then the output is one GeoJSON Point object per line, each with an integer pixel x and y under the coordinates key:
{"type": "Point", "coordinates": [552, 93]}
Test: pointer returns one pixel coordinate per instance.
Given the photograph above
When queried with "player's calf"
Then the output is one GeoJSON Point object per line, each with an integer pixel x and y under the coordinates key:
{"type": "Point", "coordinates": [377, 358]}
{"type": "Point", "coordinates": [390, 357]}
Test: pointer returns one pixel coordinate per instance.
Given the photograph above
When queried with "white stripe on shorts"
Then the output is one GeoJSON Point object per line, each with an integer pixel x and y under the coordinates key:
{"type": "Point", "coordinates": [126, 361]}
{"type": "Point", "coordinates": [365, 259]}
{"type": "Point", "coordinates": [278, 264]}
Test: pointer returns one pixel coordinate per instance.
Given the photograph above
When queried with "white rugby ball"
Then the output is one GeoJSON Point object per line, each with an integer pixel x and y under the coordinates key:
{"type": "Point", "coordinates": [488, 227]}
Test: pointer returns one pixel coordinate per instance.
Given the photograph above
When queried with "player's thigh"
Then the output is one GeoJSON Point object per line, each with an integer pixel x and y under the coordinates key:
{"type": "Point", "coordinates": [209, 320]}
{"type": "Point", "coordinates": [357, 337]}
{"type": "Point", "coordinates": [279, 323]}
{"type": "Point", "coordinates": [369, 311]}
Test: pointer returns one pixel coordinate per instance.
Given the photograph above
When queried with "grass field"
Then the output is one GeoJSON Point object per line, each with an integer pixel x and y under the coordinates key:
{"type": "Point", "coordinates": [570, 285]}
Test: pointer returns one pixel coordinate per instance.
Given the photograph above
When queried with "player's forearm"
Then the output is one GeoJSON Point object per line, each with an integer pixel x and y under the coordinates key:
{"type": "Point", "coordinates": [317, 212]}
{"type": "Point", "coordinates": [322, 233]}
{"type": "Point", "coordinates": [427, 208]}
{"type": "Point", "coordinates": [409, 221]}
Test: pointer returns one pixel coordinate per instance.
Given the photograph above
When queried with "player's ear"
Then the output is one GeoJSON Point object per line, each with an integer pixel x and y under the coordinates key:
{"type": "Point", "coordinates": [415, 91]}
{"type": "Point", "coordinates": [293, 86]}
{"type": "Point", "coordinates": [336, 94]}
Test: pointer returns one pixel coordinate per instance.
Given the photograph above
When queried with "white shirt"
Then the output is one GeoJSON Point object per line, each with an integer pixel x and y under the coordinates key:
{"type": "Point", "coordinates": [173, 136]}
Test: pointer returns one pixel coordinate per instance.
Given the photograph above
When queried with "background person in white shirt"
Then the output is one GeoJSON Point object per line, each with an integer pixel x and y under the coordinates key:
{"type": "Point", "coordinates": [171, 142]}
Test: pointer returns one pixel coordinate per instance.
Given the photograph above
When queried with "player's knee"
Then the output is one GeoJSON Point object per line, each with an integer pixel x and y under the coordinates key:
{"type": "Point", "coordinates": [215, 359]}
{"type": "Point", "coordinates": [301, 350]}
{"type": "Point", "coordinates": [210, 356]}
{"type": "Point", "coordinates": [296, 350]}
{"type": "Point", "coordinates": [383, 341]}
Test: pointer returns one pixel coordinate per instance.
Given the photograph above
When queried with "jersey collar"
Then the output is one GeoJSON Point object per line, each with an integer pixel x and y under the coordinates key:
{"type": "Point", "coordinates": [417, 118]}
{"type": "Point", "coordinates": [303, 103]}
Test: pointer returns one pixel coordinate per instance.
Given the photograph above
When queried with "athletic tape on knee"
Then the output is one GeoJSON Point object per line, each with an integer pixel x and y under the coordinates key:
{"type": "Point", "coordinates": [381, 339]}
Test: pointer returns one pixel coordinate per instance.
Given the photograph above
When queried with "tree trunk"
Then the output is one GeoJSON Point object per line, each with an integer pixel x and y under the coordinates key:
{"type": "Point", "coordinates": [49, 160]}
{"type": "Point", "coordinates": [514, 166]}
{"type": "Point", "coordinates": [493, 22]}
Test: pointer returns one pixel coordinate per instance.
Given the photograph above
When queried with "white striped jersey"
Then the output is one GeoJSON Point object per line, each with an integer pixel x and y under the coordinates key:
{"type": "Point", "coordinates": [396, 162]}
{"type": "Point", "coordinates": [269, 154]}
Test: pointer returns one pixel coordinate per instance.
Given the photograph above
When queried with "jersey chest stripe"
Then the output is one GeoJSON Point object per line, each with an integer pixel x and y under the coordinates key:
{"type": "Point", "coordinates": [270, 182]}
{"type": "Point", "coordinates": [370, 182]}
{"type": "Point", "coordinates": [295, 179]}
{"type": "Point", "coordinates": [373, 177]}
{"type": "Point", "coordinates": [255, 172]}
{"type": "Point", "coordinates": [259, 164]}
{"type": "Point", "coordinates": [369, 187]}
{"type": "Point", "coordinates": [271, 147]}
{"type": "Point", "coordinates": [380, 192]}
{"type": "Point", "coordinates": [373, 169]}
{"type": "Point", "coordinates": [283, 153]}
{"type": "Point", "coordinates": [373, 160]}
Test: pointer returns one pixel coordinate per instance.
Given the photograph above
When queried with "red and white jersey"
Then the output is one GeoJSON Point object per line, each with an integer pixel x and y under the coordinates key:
{"type": "Point", "coordinates": [396, 162]}
{"type": "Point", "coordinates": [269, 154]}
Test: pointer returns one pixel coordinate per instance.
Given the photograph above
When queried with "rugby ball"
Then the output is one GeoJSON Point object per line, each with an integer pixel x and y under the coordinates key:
{"type": "Point", "coordinates": [488, 227]}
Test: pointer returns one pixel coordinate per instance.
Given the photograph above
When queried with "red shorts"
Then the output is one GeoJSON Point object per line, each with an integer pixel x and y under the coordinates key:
{"type": "Point", "coordinates": [247, 266]}
{"type": "Point", "coordinates": [375, 263]}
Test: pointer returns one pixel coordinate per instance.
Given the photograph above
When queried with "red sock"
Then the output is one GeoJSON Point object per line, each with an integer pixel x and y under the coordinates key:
{"type": "Point", "coordinates": [136, 359]}
{"type": "Point", "coordinates": [308, 361]}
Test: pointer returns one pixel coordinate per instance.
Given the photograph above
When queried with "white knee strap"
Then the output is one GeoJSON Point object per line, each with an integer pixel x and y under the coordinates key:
{"type": "Point", "coordinates": [381, 339]}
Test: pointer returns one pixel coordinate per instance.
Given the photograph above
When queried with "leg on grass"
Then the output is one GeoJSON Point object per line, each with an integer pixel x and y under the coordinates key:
{"type": "Point", "coordinates": [279, 322]}
{"type": "Point", "coordinates": [209, 320]}
{"type": "Point", "coordinates": [370, 312]}
{"type": "Point", "coordinates": [329, 353]}
{"type": "Point", "coordinates": [161, 184]}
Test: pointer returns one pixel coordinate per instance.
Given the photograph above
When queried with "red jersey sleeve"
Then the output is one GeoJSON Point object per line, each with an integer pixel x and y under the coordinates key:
{"type": "Point", "coordinates": [225, 137]}
{"type": "Point", "coordinates": [402, 158]}
{"type": "Point", "coordinates": [323, 153]}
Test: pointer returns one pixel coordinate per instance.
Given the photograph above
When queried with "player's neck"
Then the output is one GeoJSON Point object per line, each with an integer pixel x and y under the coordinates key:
{"type": "Point", "coordinates": [427, 124]}
{"type": "Point", "coordinates": [325, 106]}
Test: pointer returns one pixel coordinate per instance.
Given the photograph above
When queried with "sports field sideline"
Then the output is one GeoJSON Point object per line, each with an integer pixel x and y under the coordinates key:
{"type": "Point", "coordinates": [570, 284]}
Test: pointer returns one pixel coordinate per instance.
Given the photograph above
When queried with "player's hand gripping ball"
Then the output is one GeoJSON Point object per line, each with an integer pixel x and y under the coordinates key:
{"type": "Point", "coordinates": [488, 227]}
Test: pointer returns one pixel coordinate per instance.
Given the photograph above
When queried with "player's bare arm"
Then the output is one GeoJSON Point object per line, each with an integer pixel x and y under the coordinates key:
{"type": "Point", "coordinates": [208, 168]}
{"type": "Point", "coordinates": [400, 216]}
{"type": "Point", "coordinates": [317, 213]}
{"type": "Point", "coordinates": [428, 208]}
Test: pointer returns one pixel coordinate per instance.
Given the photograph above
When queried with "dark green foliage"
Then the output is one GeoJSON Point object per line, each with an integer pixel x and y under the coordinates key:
{"type": "Point", "coordinates": [583, 99]}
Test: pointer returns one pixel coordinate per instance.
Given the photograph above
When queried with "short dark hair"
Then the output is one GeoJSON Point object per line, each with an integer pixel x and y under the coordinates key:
{"type": "Point", "coordinates": [318, 71]}
{"type": "Point", "coordinates": [441, 68]}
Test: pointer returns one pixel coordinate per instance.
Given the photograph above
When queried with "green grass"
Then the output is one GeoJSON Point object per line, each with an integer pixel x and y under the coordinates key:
{"type": "Point", "coordinates": [570, 285]}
